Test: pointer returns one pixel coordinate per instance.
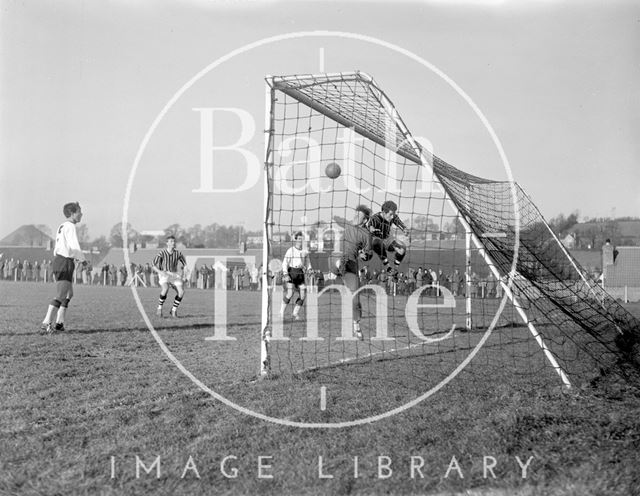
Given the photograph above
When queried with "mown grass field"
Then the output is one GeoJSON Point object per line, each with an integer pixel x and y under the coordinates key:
{"type": "Point", "coordinates": [80, 407]}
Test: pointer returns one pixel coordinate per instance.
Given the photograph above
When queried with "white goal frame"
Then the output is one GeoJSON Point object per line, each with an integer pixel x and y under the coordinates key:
{"type": "Point", "coordinates": [472, 238]}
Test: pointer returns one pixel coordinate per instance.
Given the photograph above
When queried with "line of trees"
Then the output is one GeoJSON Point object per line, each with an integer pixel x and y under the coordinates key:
{"type": "Point", "coordinates": [591, 234]}
{"type": "Point", "coordinates": [198, 236]}
{"type": "Point", "coordinates": [561, 224]}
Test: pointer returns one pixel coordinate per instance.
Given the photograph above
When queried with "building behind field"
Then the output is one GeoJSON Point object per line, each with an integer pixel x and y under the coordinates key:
{"type": "Point", "coordinates": [28, 236]}
{"type": "Point", "coordinates": [31, 243]}
{"type": "Point", "coordinates": [27, 243]}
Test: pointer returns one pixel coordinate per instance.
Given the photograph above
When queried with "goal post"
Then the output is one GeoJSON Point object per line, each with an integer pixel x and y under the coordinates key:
{"type": "Point", "coordinates": [481, 244]}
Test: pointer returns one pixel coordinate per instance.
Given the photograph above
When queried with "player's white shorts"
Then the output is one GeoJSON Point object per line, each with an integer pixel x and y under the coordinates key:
{"type": "Point", "coordinates": [170, 278]}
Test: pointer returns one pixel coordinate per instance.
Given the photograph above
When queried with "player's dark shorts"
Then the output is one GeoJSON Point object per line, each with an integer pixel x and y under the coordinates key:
{"type": "Point", "coordinates": [351, 266]}
{"type": "Point", "coordinates": [297, 276]}
{"type": "Point", "coordinates": [63, 268]}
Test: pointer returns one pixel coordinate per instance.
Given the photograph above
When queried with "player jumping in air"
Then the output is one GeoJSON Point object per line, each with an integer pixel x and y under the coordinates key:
{"type": "Point", "coordinates": [357, 247]}
{"type": "Point", "coordinates": [66, 251]}
{"type": "Point", "coordinates": [294, 264]}
{"type": "Point", "coordinates": [166, 265]}
{"type": "Point", "coordinates": [380, 227]}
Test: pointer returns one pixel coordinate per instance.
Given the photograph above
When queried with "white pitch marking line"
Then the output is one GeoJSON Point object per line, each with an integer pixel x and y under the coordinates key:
{"type": "Point", "coordinates": [323, 398]}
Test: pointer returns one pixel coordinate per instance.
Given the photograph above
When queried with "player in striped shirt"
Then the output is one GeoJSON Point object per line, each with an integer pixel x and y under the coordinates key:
{"type": "Point", "coordinates": [295, 263]}
{"type": "Point", "coordinates": [66, 252]}
{"type": "Point", "coordinates": [382, 241]}
{"type": "Point", "coordinates": [165, 264]}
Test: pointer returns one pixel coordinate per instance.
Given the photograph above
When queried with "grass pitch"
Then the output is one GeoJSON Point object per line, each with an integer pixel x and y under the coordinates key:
{"type": "Point", "coordinates": [93, 409]}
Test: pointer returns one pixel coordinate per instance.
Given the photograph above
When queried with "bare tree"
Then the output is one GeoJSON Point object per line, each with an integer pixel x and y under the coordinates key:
{"type": "Point", "coordinates": [115, 235]}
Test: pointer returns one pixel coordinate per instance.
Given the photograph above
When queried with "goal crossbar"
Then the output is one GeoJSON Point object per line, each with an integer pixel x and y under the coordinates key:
{"type": "Point", "coordinates": [490, 237]}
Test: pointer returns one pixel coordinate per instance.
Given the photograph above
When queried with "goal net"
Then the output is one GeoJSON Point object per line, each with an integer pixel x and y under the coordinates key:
{"type": "Point", "coordinates": [485, 291]}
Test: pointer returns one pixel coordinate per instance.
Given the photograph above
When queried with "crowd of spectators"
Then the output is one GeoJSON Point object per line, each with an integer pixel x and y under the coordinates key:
{"type": "Point", "coordinates": [248, 278]}
{"type": "Point", "coordinates": [25, 270]}
{"type": "Point", "coordinates": [405, 283]}
{"type": "Point", "coordinates": [203, 276]}
{"type": "Point", "coordinates": [238, 278]}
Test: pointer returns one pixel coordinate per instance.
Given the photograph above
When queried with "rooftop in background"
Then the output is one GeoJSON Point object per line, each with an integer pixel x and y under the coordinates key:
{"type": "Point", "coordinates": [28, 236]}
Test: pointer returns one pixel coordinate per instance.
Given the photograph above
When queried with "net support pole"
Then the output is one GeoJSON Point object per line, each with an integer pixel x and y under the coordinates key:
{"type": "Point", "coordinates": [426, 163]}
{"type": "Point", "coordinates": [467, 272]}
{"type": "Point", "coordinates": [467, 276]}
{"type": "Point", "coordinates": [523, 315]}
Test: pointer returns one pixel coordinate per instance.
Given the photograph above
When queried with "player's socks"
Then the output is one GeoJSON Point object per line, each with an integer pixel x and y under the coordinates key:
{"type": "Point", "coordinates": [53, 306]}
{"type": "Point", "coordinates": [296, 311]}
{"type": "Point", "coordinates": [283, 307]}
{"type": "Point", "coordinates": [62, 311]}
{"type": "Point", "coordinates": [176, 304]}
{"type": "Point", "coordinates": [49, 316]}
{"type": "Point", "coordinates": [161, 301]}
{"type": "Point", "coordinates": [60, 317]}
{"type": "Point", "coordinates": [356, 330]}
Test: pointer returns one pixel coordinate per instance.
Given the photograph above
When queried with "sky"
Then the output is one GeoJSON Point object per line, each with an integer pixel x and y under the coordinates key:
{"type": "Point", "coordinates": [99, 101]}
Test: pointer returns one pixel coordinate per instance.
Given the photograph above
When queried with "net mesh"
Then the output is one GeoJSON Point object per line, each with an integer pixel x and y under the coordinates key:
{"type": "Point", "coordinates": [423, 340]}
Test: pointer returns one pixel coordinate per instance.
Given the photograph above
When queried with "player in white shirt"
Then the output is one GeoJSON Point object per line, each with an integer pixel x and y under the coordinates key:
{"type": "Point", "coordinates": [66, 252]}
{"type": "Point", "coordinates": [295, 263]}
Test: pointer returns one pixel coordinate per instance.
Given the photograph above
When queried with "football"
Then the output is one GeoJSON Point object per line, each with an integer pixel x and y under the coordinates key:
{"type": "Point", "coordinates": [332, 170]}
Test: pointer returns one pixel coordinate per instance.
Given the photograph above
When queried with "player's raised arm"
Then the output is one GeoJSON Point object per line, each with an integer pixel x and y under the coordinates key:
{"type": "Point", "coordinates": [398, 222]}
{"type": "Point", "coordinates": [339, 220]}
